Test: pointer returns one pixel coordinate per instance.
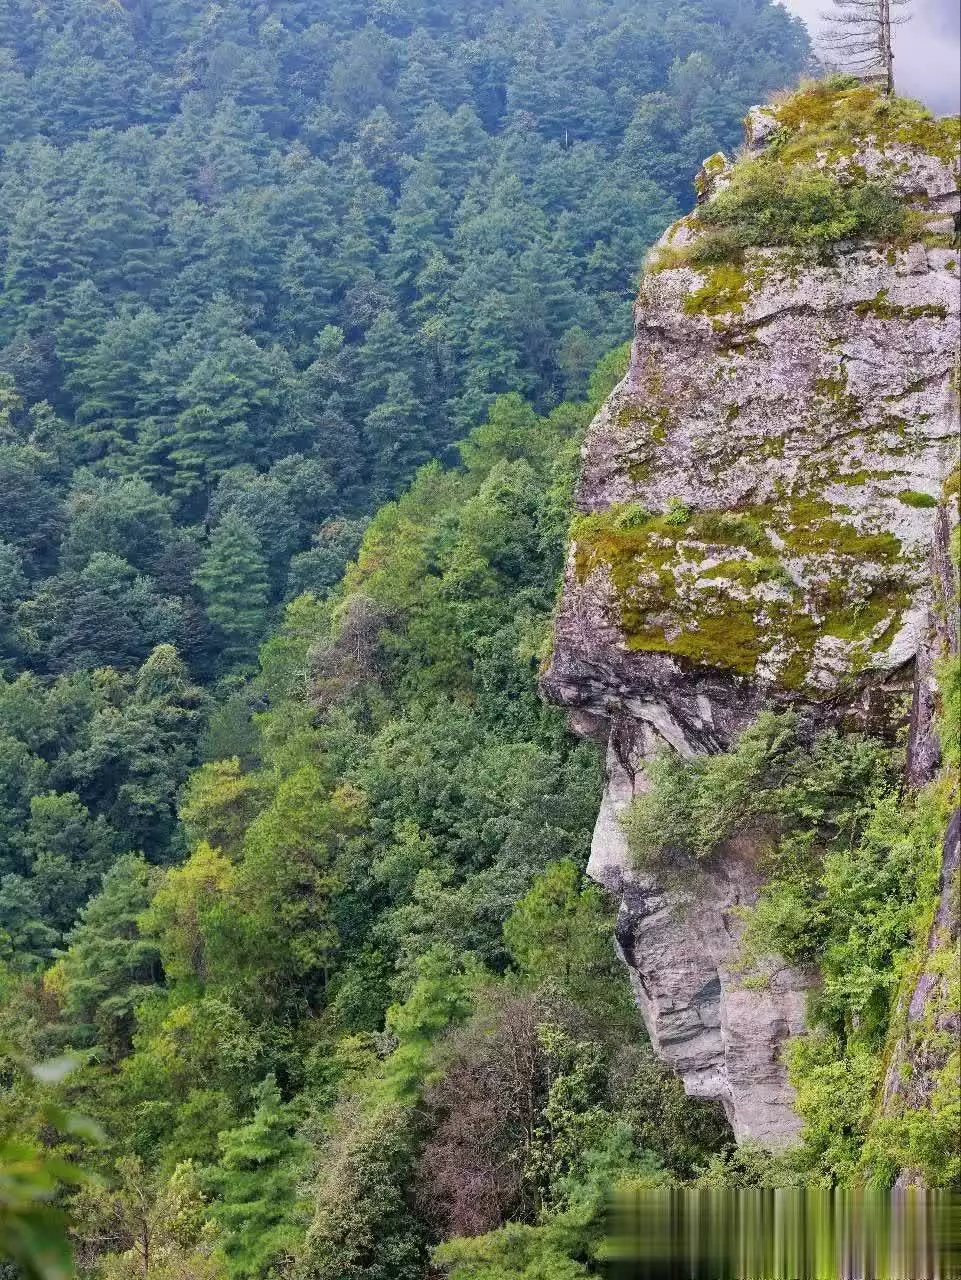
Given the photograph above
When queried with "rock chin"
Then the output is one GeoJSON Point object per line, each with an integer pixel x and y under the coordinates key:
{"type": "Point", "coordinates": [758, 500]}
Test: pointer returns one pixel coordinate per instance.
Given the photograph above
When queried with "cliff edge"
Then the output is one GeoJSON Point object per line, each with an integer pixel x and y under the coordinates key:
{"type": "Point", "coordinates": [757, 507]}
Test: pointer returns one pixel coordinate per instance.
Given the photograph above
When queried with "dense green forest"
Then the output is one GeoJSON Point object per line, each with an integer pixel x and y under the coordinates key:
{"type": "Point", "coordinates": [375, 1008]}
{"type": "Point", "coordinates": [259, 262]}
{"type": "Point", "coordinates": [291, 908]}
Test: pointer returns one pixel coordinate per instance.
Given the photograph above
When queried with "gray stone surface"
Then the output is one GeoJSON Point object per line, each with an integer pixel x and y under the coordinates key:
{"type": "Point", "coordinates": [817, 399]}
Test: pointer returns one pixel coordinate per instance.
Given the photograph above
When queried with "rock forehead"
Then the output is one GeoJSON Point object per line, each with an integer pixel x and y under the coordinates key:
{"type": "Point", "coordinates": [762, 485]}
{"type": "Point", "coordinates": [758, 494]}
{"type": "Point", "coordinates": [756, 506]}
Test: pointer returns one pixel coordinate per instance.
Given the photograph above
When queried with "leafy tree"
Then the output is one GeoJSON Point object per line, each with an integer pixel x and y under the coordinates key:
{"type": "Point", "coordinates": [319, 569]}
{"type": "Point", "coordinates": [126, 519]}
{"type": "Point", "coordinates": [219, 804]}
{"type": "Point", "coordinates": [132, 758]}
{"type": "Point", "coordinates": [362, 1229]}
{"type": "Point", "coordinates": [560, 932]}
{"type": "Point", "coordinates": [68, 852]}
{"type": "Point", "coordinates": [147, 1226]}
{"type": "Point", "coordinates": [13, 588]}
{"type": "Point", "coordinates": [105, 614]}
{"type": "Point", "coordinates": [31, 518]}
{"type": "Point", "coordinates": [182, 911]}
{"type": "Point", "coordinates": [287, 936]}
{"type": "Point", "coordinates": [26, 942]}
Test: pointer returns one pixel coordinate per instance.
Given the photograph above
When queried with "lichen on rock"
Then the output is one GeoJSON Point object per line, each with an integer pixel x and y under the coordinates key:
{"type": "Point", "coordinates": [756, 508]}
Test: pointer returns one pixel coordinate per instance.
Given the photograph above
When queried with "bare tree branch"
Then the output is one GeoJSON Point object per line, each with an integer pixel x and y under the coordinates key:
{"type": "Point", "coordinates": [860, 34]}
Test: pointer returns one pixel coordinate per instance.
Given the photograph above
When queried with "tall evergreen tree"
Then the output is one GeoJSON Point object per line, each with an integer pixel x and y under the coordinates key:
{"type": "Point", "coordinates": [109, 966]}
{"type": "Point", "coordinates": [234, 582]}
{"type": "Point", "coordinates": [256, 1185]}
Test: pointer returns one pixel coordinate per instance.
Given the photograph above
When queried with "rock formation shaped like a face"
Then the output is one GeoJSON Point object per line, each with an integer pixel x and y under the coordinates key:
{"type": "Point", "coordinates": [757, 504]}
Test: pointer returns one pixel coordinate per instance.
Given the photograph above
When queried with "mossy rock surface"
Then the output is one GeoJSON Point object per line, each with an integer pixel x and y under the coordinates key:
{"type": "Point", "coordinates": [758, 495]}
{"type": "Point", "coordinates": [738, 590]}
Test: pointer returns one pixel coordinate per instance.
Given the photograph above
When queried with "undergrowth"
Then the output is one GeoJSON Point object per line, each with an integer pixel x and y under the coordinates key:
{"type": "Point", "coordinates": [851, 868]}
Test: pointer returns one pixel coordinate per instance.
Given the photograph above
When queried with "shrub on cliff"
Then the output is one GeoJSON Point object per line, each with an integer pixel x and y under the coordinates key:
{"type": "Point", "coordinates": [767, 203]}
{"type": "Point", "coordinates": [798, 795]}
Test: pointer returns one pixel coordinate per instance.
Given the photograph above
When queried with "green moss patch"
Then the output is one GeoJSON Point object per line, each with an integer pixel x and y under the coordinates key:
{"type": "Point", "coordinates": [913, 498]}
{"type": "Point", "coordinates": [715, 588]}
{"type": "Point", "coordinates": [834, 116]}
{"type": "Point", "coordinates": [654, 420]}
{"type": "Point", "coordinates": [881, 309]}
{"type": "Point", "coordinates": [724, 291]}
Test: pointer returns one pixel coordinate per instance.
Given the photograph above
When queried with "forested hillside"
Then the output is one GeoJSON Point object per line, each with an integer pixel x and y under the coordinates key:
{"type": "Point", "coordinates": [259, 263]}
{"type": "Point", "coordinates": [375, 1008]}
{"type": "Point", "coordinates": [300, 918]}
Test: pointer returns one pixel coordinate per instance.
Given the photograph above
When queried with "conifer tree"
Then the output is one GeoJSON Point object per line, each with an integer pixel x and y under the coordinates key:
{"type": "Point", "coordinates": [233, 580]}
{"type": "Point", "coordinates": [260, 1166]}
{"type": "Point", "coordinates": [109, 966]}
{"type": "Point", "coordinates": [861, 34]}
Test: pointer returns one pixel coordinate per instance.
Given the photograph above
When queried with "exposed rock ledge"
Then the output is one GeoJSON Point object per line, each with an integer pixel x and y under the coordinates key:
{"type": "Point", "coordinates": [759, 498]}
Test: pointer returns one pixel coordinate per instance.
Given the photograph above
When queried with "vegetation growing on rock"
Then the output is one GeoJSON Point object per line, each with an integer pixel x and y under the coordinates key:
{"type": "Point", "coordinates": [759, 507]}
{"type": "Point", "coordinates": [824, 580]}
{"type": "Point", "coordinates": [831, 117]}
{"type": "Point", "coordinates": [715, 588]}
{"type": "Point", "coordinates": [851, 867]}
{"type": "Point", "coordinates": [769, 204]}
{"type": "Point", "coordinates": [809, 190]}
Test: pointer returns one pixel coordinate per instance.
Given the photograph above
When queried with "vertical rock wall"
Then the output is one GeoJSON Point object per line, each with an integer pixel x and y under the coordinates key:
{"type": "Point", "coordinates": [758, 501]}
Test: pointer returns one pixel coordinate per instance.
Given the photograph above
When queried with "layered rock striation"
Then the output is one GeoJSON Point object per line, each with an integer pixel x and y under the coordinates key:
{"type": "Point", "coordinates": [757, 505]}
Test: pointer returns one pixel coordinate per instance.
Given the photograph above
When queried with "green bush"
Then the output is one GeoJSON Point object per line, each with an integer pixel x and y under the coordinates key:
{"type": "Point", "coordinates": [770, 204]}
{"type": "Point", "coordinates": [797, 796]}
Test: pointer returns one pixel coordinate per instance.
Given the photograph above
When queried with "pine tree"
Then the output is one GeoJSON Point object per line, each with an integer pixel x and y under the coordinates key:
{"type": "Point", "coordinates": [397, 436]}
{"type": "Point", "coordinates": [261, 1163]}
{"type": "Point", "coordinates": [419, 227]}
{"type": "Point", "coordinates": [110, 967]}
{"type": "Point", "coordinates": [233, 580]}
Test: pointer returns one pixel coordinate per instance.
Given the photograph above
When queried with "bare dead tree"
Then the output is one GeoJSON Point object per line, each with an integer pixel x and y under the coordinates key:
{"type": "Point", "coordinates": [860, 36]}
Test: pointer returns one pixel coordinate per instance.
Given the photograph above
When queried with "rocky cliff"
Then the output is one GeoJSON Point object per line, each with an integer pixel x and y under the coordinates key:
{"type": "Point", "coordinates": [757, 505]}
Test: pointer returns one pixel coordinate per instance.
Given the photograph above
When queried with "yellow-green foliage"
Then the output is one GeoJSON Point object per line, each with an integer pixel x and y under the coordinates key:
{"type": "Point", "coordinates": [831, 117]}
{"type": "Point", "coordinates": [918, 1127]}
{"type": "Point", "coordinates": [851, 1130]}
{"type": "Point", "coordinates": [887, 889]}
{"type": "Point", "coordinates": [805, 191]}
{"type": "Point", "coordinates": [920, 1130]}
